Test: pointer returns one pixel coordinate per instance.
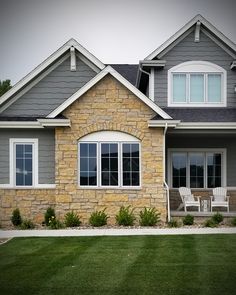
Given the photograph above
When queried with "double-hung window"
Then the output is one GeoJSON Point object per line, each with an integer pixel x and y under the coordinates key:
{"type": "Point", "coordinates": [107, 163]}
{"type": "Point", "coordinates": [197, 84]}
{"type": "Point", "coordinates": [197, 168]}
{"type": "Point", "coordinates": [23, 162]}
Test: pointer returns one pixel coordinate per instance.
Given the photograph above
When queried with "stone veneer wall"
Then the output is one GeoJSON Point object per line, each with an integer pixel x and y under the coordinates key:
{"type": "Point", "coordinates": [106, 106]}
{"type": "Point", "coordinates": [109, 106]}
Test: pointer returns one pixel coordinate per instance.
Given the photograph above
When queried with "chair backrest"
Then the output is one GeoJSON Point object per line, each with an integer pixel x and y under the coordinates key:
{"type": "Point", "coordinates": [185, 194]}
{"type": "Point", "coordinates": [219, 194]}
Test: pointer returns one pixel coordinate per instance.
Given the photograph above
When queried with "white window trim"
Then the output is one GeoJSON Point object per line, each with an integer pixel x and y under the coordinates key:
{"type": "Point", "coordinates": [34, 142]}
{"type": "Point", "coordinates": [120, 166]}
{"type": "Point", "coordinates": [223, 151]}
{"type": "Point", "coordinates": [199, 67]}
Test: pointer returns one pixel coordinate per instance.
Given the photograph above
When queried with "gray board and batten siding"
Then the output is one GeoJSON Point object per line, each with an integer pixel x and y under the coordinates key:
{"type": "Point", "coordinates": [46, 153]}
{"type": "Point", "coordinates": [188, 50]}
{"type": "Point", "coordinates": [209, 141]}
{"type": "Point", "coordinates": [51, 91]}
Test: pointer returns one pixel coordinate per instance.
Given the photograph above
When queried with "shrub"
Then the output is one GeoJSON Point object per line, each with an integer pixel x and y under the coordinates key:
{"type": "Point", "coordinates": [149, 217]}
{"type": "Point", "coordinates": [217, 218]}
{"type": "Point", "coordinates": [55, 223]}
{"type": "Point", "coordinates": [210, 223]}
{"type": "Point", "coordinates": [16, 217]}
{"type": "Point", "coordinates": [125, 216]}
{"type": "Point", "coordinates": [48, 215]}
{"type": "Point", "coordinates": [188, 220]}
{"type": "Point", "coordinates": [173, 223]}
{"type": "Point", "coordinates": [233, 221]}
{"type": "Point", "coordinates": [98, 218]}
{"type": "Point", "coordinates": [72, 219]}
{"type": "Point", "coordinates": [27, 224]}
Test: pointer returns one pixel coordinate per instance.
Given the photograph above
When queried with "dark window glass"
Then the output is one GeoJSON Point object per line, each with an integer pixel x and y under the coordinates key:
{"type": "Point", "coordinates": [179, 169]}
{"type": "Point", "coordinates": [24, 164]}
{"type": "Point", "coordinates": [213, 170]}
{"type": "Point", "coordinates": [131, 166]}
{"type": "Point", "coordinates": [88, 164]}
{"type": "Point", "coordinates": [109, 164]}
{"type": "Point", "coordinates": [196, 170]}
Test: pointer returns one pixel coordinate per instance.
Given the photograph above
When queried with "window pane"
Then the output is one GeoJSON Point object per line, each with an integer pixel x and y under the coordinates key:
{"type": "Point", "coordinates": [109, 169]}
{"type": "Point", "coordinates": [130, 162]}
{"type": "Point", "coordinates": [179, 169]}
{"type": "Point", "coordinates": [197, 88]}
{"type": "Point", "coordinates": [214, 88]}
{"type": "Point", "coordinates": [88, 163]}
{"type": "Point", "coordinates": [213, 170]}
{"type": "Point", "coordinates": [196, 170]}
{"type": "Point", "coordinates": [23, 164]}
{"type": "Point", "coordinates": [179, 88]}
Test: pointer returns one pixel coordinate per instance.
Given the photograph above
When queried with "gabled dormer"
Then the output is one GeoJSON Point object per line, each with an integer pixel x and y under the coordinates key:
{"type": "Point", "coordinates": [193, 68]}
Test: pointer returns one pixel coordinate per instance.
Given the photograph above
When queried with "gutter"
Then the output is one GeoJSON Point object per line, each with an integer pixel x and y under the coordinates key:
{"type": "Point", "coordinates": [164, 173]}
{"type": "Point", "coordinates": [39, 124]}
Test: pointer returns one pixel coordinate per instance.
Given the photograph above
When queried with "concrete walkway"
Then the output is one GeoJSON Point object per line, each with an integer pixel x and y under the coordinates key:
{"type": "Point", "coordinates": [114, 232]}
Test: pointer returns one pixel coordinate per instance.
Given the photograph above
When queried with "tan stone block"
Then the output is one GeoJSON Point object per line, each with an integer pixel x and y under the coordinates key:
{"type": "Point", "coordinates": [63, 199]}
{"type": "Point", "coordinates": [115, 198]}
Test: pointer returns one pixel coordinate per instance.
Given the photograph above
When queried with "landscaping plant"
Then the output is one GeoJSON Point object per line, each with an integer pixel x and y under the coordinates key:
{"type": "Point", "coordinates": [188, 220]}
{"type": "Point", "coordinates": [48, 215]}
{"type": "Point", "coordinates": [125, 216]}
{"type": "Point", "coordinates": [173, 223]}
{"type": "Point", "coordinates": [72, 219]}
{"type": "Point", "coordinates": [233, 221]}
{"type": "Point", "coordinates": [217, 218]}
{"type": "Point", "coordinates": [98, 218]}
{"type": "Point", "coordinates": [210, 223]}
{"type": "Point", "coordinates": [16, 217]}
{"type": "Point", "coordinates": [54, 223]}
{"type": "Point", "coordinates": [27, 224]}
{"type": "Point", "coordinates": [149, 217]}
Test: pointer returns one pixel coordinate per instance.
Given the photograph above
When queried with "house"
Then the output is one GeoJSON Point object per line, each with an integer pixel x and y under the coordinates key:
{"type": "Point", "coordinates": [80, 135]}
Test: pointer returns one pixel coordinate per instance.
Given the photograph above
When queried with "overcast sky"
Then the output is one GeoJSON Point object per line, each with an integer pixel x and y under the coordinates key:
{"type": "Point", "coordinates": [115, 31]}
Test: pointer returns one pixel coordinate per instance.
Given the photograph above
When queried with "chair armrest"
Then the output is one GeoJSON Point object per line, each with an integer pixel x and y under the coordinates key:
{"type": "Point", "coordinates": [211, 197]}
{"type": "Point", "coordinates": [197, 198]}
{"type": "Point", "coordinates": [227, 198]}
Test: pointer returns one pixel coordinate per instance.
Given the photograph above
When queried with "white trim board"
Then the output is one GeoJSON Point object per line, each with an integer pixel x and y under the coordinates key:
{"type": "Point", "coordinates": [53, 57]}
{"type": "Point", "coordinates": [40, 123]}
{"type": "Point", "coordinates": [178, 34]}
{"type": "Point", "coordinates": [122, 80]}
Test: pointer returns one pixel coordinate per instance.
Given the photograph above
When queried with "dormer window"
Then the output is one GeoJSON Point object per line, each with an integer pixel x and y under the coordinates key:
{"type": "Point", "coordinates": [197, 84]}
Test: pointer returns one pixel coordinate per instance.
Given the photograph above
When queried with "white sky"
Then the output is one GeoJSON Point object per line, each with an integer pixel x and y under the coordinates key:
{"type": "Point", "coordinates": [115, 31]}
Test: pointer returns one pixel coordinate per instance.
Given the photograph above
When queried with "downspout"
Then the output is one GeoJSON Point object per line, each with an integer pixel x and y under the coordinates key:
{"type": "Point", "coordinates": [164, 173]}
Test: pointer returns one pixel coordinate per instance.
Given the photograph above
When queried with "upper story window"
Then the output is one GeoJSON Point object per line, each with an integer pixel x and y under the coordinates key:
{"type": "Point", "coordinates": [197, 84]}
{"type": "Point", "coordinates": [109, 159]}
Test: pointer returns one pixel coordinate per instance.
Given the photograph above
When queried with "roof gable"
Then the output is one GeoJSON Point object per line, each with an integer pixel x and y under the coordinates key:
{"type": "Point", "coordinates": [47, 63]}
{"type": "Point", "coordinates": [188, 28]}
{"type": "Point", "coordinates": [122, 80]}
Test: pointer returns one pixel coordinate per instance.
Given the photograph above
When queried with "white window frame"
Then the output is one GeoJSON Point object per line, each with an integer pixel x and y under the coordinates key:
{"type": "Point", "coordinates": [197, 67]}
{"type": "Point", "coordinates": [114, 137]}
{"type": "Point", "coordinates": [222, 151]}
{"type": "Point", "coordinates": [34, 143]}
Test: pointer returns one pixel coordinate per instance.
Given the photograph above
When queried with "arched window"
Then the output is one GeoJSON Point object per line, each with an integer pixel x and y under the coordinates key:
{"type": "Point", "coordinates": [197, 84]}
{"type": "Point", "coordinates": [109, 159]}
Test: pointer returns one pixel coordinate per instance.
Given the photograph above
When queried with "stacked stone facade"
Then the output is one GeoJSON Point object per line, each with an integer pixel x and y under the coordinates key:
{"type": "Point", "coordinates": [106, 106]}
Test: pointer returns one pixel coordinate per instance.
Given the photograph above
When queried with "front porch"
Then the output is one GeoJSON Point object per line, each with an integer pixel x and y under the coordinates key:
{"type": "Point", "coordinates": [201, 160]}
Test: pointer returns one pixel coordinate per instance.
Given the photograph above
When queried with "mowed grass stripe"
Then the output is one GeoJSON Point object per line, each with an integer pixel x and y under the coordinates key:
{"type": "Point", "coordinates": [197, 264]}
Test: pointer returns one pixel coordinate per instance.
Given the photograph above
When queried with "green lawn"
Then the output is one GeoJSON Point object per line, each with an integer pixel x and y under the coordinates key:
{"type": "Point", "coordinates": [197, 264]}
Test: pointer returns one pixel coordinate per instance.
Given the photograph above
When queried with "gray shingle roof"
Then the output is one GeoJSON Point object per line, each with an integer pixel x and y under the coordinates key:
{"type": "Point", "coordinates": [200, 114]}
{"type": "Point", "coordinates": [129, 72]}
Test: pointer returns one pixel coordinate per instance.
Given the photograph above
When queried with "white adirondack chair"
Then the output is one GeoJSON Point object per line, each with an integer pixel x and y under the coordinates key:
{"type": "Point", "coordinates": [220, 198]}
{"type": "Point", "coordinates": [188, 198]}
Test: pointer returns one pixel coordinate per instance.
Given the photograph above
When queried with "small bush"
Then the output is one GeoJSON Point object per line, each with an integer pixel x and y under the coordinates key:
{"type": "Point", "coordinates": [149, 217]}
{"type": "Point", "coordinates": [72, 219]}
{"type": "Point", "coordinates": [233, 221]}
{"type": "Point", "coordinates": [27, 224]}
{"type": "Point", "coordinates": [210, 223]}
{"type": "Point", "coordinates": [125, 216]}
{"type": "Point", "coordinates": [217, 218]}
{"type": "Point", "coordinates": [188, 220]}
{"type": "Point", "coordinates": [55, 223]}
{"type": "Point", "coordinates": [173, 223]}
{"type": "Point", "coordinates": [16, 217]}
{"type": "Point", "coordinates": [48, 215]}
{"type": "Point", "coordinates": [98, 218]}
